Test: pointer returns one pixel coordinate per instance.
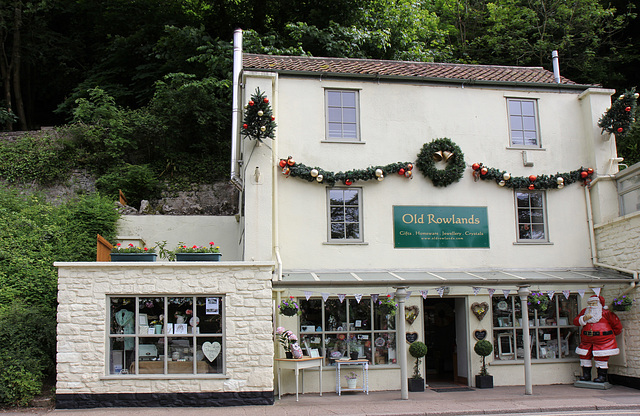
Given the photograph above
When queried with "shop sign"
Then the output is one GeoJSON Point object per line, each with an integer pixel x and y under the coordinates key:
{"type": "Point", "coordinates": [440, 227]}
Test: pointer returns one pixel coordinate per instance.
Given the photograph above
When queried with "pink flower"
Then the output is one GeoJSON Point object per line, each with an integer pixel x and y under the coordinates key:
{"type": "Point", "coordinates": [211, 243]}
{"type": "Point", "coordinates": [293, 337]}
{"type": "Point", "coordinates": [279, 330]}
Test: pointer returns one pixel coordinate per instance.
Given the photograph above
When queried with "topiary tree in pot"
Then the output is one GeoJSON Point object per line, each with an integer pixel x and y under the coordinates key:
{"type": "Point", "coordinates": [418, 350]}
{"type": "Point", "coordinates": [484, 380]}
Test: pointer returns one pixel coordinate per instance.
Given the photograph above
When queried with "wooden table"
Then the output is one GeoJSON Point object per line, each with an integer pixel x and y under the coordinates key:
{"type": "Point", "coordinates": [297, 364]}
{"type": "Point", "coordinates": [364, 363]}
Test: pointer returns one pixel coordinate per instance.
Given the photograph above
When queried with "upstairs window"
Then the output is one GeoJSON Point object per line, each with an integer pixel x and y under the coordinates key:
{"type": "Point", "coordinates": [342, 115]}
{"type": "Point", "coordinates": [345, 224]}
{"type": "Point", "coordinates": [531, 215]}
{"type": "Point", "coordinates": [523, 122]}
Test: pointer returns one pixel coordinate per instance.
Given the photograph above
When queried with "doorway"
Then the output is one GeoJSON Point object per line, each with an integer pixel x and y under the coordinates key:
{"type": "Point", "coordinates": [444, 323]}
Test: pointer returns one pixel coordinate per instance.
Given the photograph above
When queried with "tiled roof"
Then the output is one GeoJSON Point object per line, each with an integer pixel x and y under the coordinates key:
{"type": "Point", "coordinates": [425, 70]}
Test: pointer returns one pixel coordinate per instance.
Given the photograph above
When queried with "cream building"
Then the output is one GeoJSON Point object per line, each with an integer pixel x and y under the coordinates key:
{"type": "Point", "coordinates": [336, 237]}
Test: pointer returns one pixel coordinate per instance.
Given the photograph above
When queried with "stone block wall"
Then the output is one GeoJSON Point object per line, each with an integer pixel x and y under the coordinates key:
{"type": "Point", "coordinates": [83, 325]}
{"type": "Point", "coordinates": [618, 244]}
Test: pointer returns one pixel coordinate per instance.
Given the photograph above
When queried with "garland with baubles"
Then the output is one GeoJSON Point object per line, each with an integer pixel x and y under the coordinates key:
{"type": "Point", "coordinates": [291, 168]}
{"type": "Point", "coordinates": [259, 122]}
{"type": "Point", "coordinates": [618, 118]}
{"type": "Point", "coordinates": [441, 150]}
{"type": "Point", "coordinates": [557, 181]}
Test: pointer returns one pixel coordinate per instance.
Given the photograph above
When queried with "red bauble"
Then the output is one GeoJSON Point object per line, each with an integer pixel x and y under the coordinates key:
{"type": "Point", "coordinates": [409, 166]}
{"type": "Point", "coordinates": [286, 170]}
{"type": "Point", "coordinates": [245, 126]}
{"type": "Point", "coordinates": [291, 162]}
{"type": "Point", "coordinates": [273, 118]}
{"type": "Point", "coordinates": [484, 171]}
{"type": "Point", "coordinates": [251, 103]}
{"type": "Point", "coordinates": [584, 174]}
{"type": "Point", "coordinates": [475, 166]}
{"type": "Point", "coordinates": [348, 182]}
{"type": "Point", "coordinates": [533, 178]}
{"type": "Point", "coordinates": [282, 163]}
{"type": "Point", "coordinates": [532, 187]}
{"type": "Point", "coordinates": [401, 171]}
{"type": "Point", "coordinates": [590, 171]}
{"type": "Point", "coordinates": [627, 109]}
{"type": "Point", "coordinates": [266, 100]}
{"type": "Point", "coordinates": [620, 129]}
{"type": "Point", "coordinates": [408, 174]}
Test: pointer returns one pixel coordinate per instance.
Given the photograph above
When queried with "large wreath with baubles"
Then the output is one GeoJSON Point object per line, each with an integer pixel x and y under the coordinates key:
{"type": "Point", "coordinates": [441, 150]}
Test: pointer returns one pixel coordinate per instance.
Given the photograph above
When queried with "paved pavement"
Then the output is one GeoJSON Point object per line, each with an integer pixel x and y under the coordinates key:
{"type": "Point", "coordinates": [500, 400]}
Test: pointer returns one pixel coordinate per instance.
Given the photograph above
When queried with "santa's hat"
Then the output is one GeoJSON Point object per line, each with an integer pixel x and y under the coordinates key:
{"type": "Point", "coordinates": [600, 299]}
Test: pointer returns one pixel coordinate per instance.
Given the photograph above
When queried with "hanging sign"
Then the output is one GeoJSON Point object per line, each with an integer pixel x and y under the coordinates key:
{"type": "Point", "coordinates": [440, 227]}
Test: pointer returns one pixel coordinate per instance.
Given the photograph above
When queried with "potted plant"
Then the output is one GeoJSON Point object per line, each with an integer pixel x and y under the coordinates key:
{"type": "Point", "coordinates": [197, 253]}
{"type": "Point", "coordinates": [386, 305]}
{"type": "Point", "coordinates": [484, 380]}
{"type": "Point", "coordinates": [289, 307]}
{"type": "Point", "coordinates": [352, 380]}
{"type": "Point", "coordinates": [132, 253]}
{"type": "Point", "coordinates": [289, 342]}
{"type": "Point", "coordinates": [418, 350]}
{"type": "Point", "coordinates": [623, 303]}
{"type": "Point", "coordinates": [539, 301]}
{"type": "Point", "coordinates": [353, 345]}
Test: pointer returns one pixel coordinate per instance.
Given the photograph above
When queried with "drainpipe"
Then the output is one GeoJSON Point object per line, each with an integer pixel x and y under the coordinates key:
{"type": "Point", "coordinates": [556, 67]}
{"type": "Point", "coordinates": [235, 108]}
{"type": "Point", "coordinates": [592, 233]}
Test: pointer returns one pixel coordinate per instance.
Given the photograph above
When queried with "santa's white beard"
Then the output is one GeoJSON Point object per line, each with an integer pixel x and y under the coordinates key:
{"type": "Point", "coordinates": [595, 312]}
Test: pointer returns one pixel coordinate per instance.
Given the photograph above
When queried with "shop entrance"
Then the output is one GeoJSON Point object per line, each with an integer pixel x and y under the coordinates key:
{"type": "Point", "coordinates": [444, 323]}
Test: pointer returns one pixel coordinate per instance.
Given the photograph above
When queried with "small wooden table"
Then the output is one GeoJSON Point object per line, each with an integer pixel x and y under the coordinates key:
{"type": "Point", "coordinates": [298, 364]}
{"type": "Point", "coordinates": [364, 363]}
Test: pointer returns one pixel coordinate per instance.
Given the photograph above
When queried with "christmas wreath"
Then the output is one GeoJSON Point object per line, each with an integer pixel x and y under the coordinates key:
{"type": "Point", "coordinates": [621, 115]}
{"type": "Point", "coordinates": [441, 150]}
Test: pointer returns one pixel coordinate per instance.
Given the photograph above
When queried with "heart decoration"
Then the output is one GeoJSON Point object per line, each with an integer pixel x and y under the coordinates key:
{"type": "Point", "coordinates": [411, 337]}
{"type": "Point", "coordinates": [480, 309]}
{"type": "Point", "coordinates": [480, 335]}
{"type": "Point", "coordinates": [211, 350]}
{"type": "Point", "coordinates": [411, 313]}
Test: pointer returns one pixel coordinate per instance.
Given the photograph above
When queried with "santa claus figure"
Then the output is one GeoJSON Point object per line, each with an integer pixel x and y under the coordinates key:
{"type": "Point", "coordinates": [597, 338]}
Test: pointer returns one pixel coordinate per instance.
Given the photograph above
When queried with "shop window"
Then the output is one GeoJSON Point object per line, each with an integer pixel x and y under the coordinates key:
{"type": "Point", "coordinates": [335, 329]}
{"type": "Point", "coordinates": [531, 215]}
{"type": "Point", "coordinates": [166, 335]}
{"type": "Point", "coordinates": [523, 122]}
{"type": "Point", "coordinates": [342, 115]}
{"type": "Point", "coordinates": [553, 335]}
{"type": "Point", "coordinates": [628, 182]}
{"type": "Point", "coordinates": [345, 224]}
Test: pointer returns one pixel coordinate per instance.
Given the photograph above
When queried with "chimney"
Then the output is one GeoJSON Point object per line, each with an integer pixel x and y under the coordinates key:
{"type": "Point", "coordinates": [556, 66]}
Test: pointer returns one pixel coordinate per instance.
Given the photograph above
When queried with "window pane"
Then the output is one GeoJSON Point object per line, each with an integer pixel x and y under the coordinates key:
{"type": "Point", "coordinates": [504, 346]}
{"type": "Point", "coordinates": [385, 348]}
{"type": "Point", "coordinates": [209, 355]}
{"type": "Point", "coordinates": [351, 214]}
{"type": "Point", "coordinates": [209, 315]}
{"type": "Point", "coordinates": [350, 131]}
{"type": "Point", "coordinates": [151, 353]}
{"type": "Point", "coordinates": [123, 317]}
{"type": "Point", "coordinates": [537, 232]}
{"type": "Point", "coordinates": [524, 216]}
{"type": "Point", "coordinates": [360, 343]}
{"type": "Point", "coordinates": [523, 199]}
{"type": "Point", "coordinates": [335, 130]}
{"type": "Point", "coordinates": [335, 315]}
{"type": "Point", "coordinates": [524, 232]}
{"type": "Point", "coordinates": [180, 360]}
{"type": "Point", "coordinates": [352, 231]}
{"type": "Point", "coordinates": [313, 341]}
{"type": "Point", "coordinates": [337, 231]}
{"type": "Point", "coordinates": [349, 115]}
{"type": "Point", "coordinates": [529, 123]}
{"type": "Point", "coordinates": [516, 123]}
{"type": "Point", "coordinates": [349, 98]}
{"type": "Point", "coordinates": [311, 315]}
{"type": "Point", "coordinates": [536, 199]}
{"type": "Point", "coordinates": [337, 214]}
{"type": "Point", "coordinates": [121, 359]}
{"type": "Point", "coordinates": [528, 108]}
{"type": "Point", "coordinates": [359, 315]}
{"type": "Point", "coordinates": [335, 115]}
{"type": "Point", "coordinates": [336, 196]}
{"type": "Point", "coordinates": [333, 98]}
{"type": "Point", "coordinates": [336, 345]}
{"type": "Point", "coordinates": [514, 107]}
{"type": "Point", "coordinates": [537, 216]}
{"type": "Point", "coordinates": [350, 197]}
{"type": "Point", "coordinates": [530, 138]}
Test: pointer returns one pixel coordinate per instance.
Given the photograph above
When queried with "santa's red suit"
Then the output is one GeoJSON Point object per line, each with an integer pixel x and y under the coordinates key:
{"type": "Point", "coordinates": [597, 338]}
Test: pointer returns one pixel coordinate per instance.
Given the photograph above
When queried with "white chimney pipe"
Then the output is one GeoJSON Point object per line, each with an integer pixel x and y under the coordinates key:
{"type": "Point", "coordinates": [235, 107]}
{"type": "Point", "coordinates": [556, 66]}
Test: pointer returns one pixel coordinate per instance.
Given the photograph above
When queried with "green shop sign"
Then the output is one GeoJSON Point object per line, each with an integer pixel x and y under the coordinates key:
{"type": "Point", "coordinates": [440, 227]}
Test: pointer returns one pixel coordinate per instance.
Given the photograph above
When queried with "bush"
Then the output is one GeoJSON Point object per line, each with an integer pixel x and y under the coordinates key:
{"type": "Point", "coordinates": [137, 182]}
{"type": "Point", "coordinates": [33, 158]}
{"type": "Point", "coordinates": [418, 350]}
{"type": "Point", "coordinates": [483, 348]}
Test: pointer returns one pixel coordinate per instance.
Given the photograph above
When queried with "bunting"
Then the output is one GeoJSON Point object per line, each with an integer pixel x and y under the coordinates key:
{"type": "Point", "coordinates": [581, 292]}
{"type": "Point", "coordinates": [596, 290]}
{"type": "Point", "coordinates": [491, 292]}
{"type": "Point", "coordinates": [551, 293]}
{"type": "Point", "coordinates": [424, 293]}
{"type": "Point", "coordinates": [307, 294]}
{"type": "Point", "coordinates": [358, 297]}
{"type": "Point", "coordinates": [341, 296]}
{"type": "Point", "coordinates": [506, 292]}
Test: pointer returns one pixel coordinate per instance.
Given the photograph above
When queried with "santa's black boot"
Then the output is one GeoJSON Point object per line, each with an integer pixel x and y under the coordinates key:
{"type": "Point", "coordinates": [602, 376]}
{"type": "Point", "coordinates": [586, 374]}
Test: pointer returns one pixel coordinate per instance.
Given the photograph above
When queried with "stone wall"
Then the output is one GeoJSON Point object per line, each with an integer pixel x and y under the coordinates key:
{"type": "Point", "coordinates": [618, 244]}
{"type": "Point", "coordinates": [83, 325]}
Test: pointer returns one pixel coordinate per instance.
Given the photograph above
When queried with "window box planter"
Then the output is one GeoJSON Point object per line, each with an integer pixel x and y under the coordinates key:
{"type": "Point", "coordinates": [198, 256]}
{"type": "Point", "coordinates": [133, 256]}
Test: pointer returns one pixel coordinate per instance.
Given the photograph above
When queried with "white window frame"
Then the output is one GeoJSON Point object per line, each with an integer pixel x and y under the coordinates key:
{"type": "Point", "coordinates": [517, 123]}
{"type": "Point", "coordinates": [628, 184]}
{"type": "Point", "coordinates": [530, 223]}
{"type": "Point", "coordinates": [330, 115]}
{"type": "Point", "coordinates": [168, 332]}
{"type": "Point", "coordinates": [331, 221]}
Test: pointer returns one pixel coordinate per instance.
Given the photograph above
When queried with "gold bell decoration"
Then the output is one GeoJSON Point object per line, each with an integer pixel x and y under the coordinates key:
{"type": "Point", "coordinates": [438, 156]}
{"type": "Point", "coordinates": [446, 155]}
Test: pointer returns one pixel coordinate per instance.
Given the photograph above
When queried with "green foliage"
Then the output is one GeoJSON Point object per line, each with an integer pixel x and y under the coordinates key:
{"type": "Point", "coordinates": [33, 158]}
{"type": "Point", "coordinates": [621, 115]}
{"type": "Point", "coordinates": [418, 350]}
{"type": "Point", "coordinates": [137, 182]}
{"type": "Point", "coordinates": [455, 166]}
{"type": "Point", "coordinates": [258, 122]}
{"type": "Point", "coordinates": [483, 348]}
{"type": "Point", "coordinates": [7, 116]}
{"type": "Point", "coordinates": [27, 336]}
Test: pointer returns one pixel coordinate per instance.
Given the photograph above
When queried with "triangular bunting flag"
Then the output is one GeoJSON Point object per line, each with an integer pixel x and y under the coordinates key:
{"type": "Point", "coordinates": [341, 296]}
{"type": "Point", "coordinates": [596, 290]}
{"type": "Point", "coordinates": [550, 293]}
{"type": "Point", "coordinates": [325, 296]}
{"type": "Point", "coordinates": [424, 293]}
{"type": "Point", "coordinates": [581, 292]}
{"type": "Point", "coordinates": [358, 297]}
{"type": "Point", "coordinates": [566, 293]}
{"type": "Point", "coordinates": [491, 292]}
{"type": "Point", "coordinates": [440, 291]}
{"type": "Point", "coordinates": [408, 294]}
{"type": "Point", "coordinates": [506, 293]}
{"type": "Point", "coordinates": [476, 290]}
{"type": "Point", "coordinates": [307, 294]}
{"type": "Point", "coordinates": [374, 297]}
